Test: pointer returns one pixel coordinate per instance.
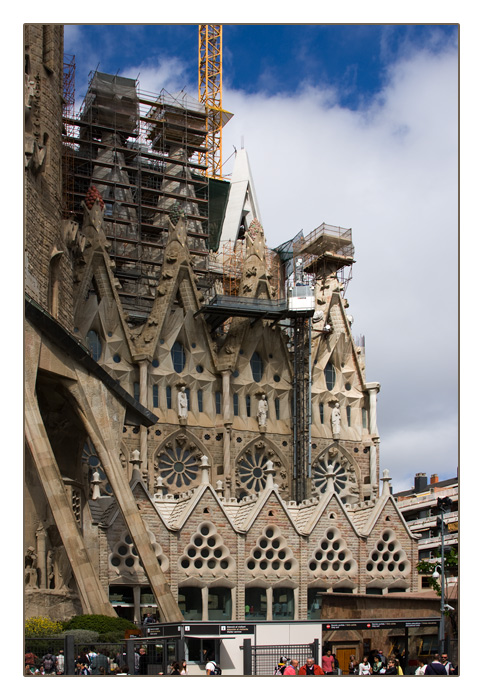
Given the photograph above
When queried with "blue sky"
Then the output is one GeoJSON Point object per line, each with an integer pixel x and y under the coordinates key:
{"type": "Point", "coordinates": [264, 58]}
{"type": "Point", "coordinates": [355, 126]}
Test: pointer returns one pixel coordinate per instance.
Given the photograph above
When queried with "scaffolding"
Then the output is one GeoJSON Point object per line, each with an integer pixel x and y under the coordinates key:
{"type": "Point", "coordinates": [141, 152]}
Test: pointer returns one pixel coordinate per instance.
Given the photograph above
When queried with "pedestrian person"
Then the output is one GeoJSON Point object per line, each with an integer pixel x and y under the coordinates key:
{"type": "Point", "coordinates": [143, 662]}
{"type": "Point", "coordinates": [391, 669]}
{"type": "Point", "coordinates": [310, 668]}
{"type": "Point", "coordinates": [353, 665]}
{"type": "Point", "coordinates": [212, 669]}
{"type": "Point", "coordinates": [48, 662]}
{"type": "Point", "coordinates": [183, 668]}
{"type": "Point", "coordinates": [99, 662]}
{"type": "Point", "coordinates": [364, 667]}
{"type": "Point", "coordinates": [421, 668]}
{"type": "Point", "coordinates": [59, 663]}
{"type": "Point", "coordinates": [175, 669]}
{"type": "Point", "coordinates": [377, 665]}
{"type": "Point", "coordinates": [291, 669]}
{"type": "Point", "coordinates": [447, 664]}
{"type": "Point", "coordinates": [328, 662]}
{"type": "Point", "coordinates": [435, 668]}
{"type": "Point", "coordinates": [281, 666]}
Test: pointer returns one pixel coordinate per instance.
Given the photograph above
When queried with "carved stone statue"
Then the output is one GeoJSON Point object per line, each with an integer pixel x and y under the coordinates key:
{"type": "Point", "coordinates": [31, 568]}
{"type": "Point", "coordinates": [262, 411]}
{"type": "Point", "coordinates": [335, 420]}
{"type": "Point", "coordinates": [182, 403]}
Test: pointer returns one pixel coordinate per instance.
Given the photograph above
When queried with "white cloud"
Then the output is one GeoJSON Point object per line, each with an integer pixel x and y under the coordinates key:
{"type": "Point", "coordinates": [389, 172]}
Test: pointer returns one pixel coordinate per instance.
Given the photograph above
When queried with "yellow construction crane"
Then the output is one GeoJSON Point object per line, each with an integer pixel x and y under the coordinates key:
{"type": "Point", "coordinates": [210, 94]}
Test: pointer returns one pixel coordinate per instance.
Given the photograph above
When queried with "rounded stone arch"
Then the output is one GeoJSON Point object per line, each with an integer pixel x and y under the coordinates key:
{"type": "Point", "coordinates": [347, 473]}
{"type": "Point", "coordinates": [250, 463]}
{"type": "Point", "coordinates": [177, 461]}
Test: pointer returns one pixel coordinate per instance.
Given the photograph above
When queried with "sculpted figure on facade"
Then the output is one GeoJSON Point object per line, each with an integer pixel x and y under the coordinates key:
{"type": "Point", "coordinates": [182, 403]}
{"type": "Point", "coordinates": [262, 411]}
{"type": "Point", "coordinates": [335, 420]}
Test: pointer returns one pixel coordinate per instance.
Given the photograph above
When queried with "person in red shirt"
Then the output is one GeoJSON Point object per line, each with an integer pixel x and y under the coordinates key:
{"type": "Point", "coordinates": [328, 663]}
{"type": "Point", "coordinates": [291, 668]}
{"type": "Point", "coordinates": [310, 668]}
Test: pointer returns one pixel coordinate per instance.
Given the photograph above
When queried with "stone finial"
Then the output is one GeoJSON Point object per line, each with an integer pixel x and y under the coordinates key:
{"type": "Point", "coordinates": [135, 458]}
{"type": "Point", "coordinates": [96, 486]}
{"type": "Point", "coordinates": [330, 479]}
{"type": "Point", "coordinates": [270, 473]}
{"type": "Point", "coordinates": [205, 470]}
{"type": "Point", "coordinates": [386, 490]}
{"type": "Point", "coordinates": [219, 488]}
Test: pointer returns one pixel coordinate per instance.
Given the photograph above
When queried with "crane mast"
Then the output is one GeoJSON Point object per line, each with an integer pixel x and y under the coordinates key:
{"type": "Point", "coordinates": [210, 94]}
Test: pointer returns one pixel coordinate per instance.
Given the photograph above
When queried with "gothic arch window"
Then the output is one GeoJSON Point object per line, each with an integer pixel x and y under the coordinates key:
{"type": "Point", "coordinates": [256, 364]}
{"type": "Point", "coordinates": [178, 357]}
{"type": "Point", "coordinates": [91, 463]}
{"type": "Point", "coordinates": [330, 376]}
{"type": "Point", "coordinates": [177, 464]}
{"type": "Point", "coordinates": [94, 344]}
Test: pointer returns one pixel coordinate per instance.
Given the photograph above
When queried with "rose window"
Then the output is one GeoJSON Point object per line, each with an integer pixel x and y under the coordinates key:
{"type": "Point", "coordinates": [345, 482]}
{"type": "Point", "coordinates": [250, 469]}
{"type": "Point", "coordinates": [178, 465]}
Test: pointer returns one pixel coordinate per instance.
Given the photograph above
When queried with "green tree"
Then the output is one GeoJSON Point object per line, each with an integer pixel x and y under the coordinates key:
{"type": "Point", "coordinates": [428, 568]}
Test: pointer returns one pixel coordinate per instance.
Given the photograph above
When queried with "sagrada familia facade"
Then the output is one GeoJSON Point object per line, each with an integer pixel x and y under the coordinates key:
{"type": "Point", "coordinates": [162, 471]}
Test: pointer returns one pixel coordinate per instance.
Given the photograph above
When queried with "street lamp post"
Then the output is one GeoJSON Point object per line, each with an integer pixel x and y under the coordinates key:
{"type": "Point", "coordinates": [444, 504]}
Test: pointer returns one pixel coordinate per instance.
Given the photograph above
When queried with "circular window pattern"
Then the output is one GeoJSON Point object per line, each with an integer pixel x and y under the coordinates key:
{"type": "Point", "coordinates": [125, 559]}
{"type": "Point", "coordinates": [178, 465]}
{"type": "Point", "coordinates": [250, 469]}
{"type": "Point", "coordinates": [345, 482]}
{"type": "Point", "coordinates": [388, 558]}
{"type": "Point", "coordinates": [270, 553]}
{"type": "Point", "coordinates": [206, 552]}
{"type": "Point", "coordinates": [327, 557]}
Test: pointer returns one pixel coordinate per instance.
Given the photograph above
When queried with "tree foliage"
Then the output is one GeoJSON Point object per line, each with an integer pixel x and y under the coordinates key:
{"type": "Point", "coordinates": [428, 568]}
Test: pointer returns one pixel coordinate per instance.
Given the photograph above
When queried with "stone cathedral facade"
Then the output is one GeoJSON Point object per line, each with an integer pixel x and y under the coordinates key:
{"type": "Point", "coordinates": [159, 456]}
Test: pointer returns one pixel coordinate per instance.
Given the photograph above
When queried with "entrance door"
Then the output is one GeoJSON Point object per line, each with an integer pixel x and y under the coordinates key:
{"type": "Point", "coordinates": [343, 656]}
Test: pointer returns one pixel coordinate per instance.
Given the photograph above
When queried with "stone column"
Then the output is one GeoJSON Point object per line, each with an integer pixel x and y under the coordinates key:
{"type": "Point", "coordinates": [204, 603]}
{"type": "Point", "coordinates": [373, 389]}
{"type": "Point", "coordinates": [227, 421]}
{"type": "Point", "coordinates": [41, 556]}
{"type": "Point", "coordinates": [137, 603]}
{"type": "Point", "coordinates": [269, 603]}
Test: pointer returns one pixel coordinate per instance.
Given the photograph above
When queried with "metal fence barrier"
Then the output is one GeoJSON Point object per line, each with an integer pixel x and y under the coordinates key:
{"type": "Point", "coordinates": [262, 660]}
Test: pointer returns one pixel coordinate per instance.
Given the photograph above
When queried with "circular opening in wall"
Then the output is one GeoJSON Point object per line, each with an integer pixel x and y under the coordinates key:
{"type": "Point", "coordinates": [263, 543]}
{"type": "Point", "coordinates": [211, 542]}
{"type": "Point", "coordinates": [185, 563]}
{"type": "Point", "coordinates": [178, 467]}
{"type": "Point", "coordinates": [324, 566]}
{"type": "Point", "coordinates": [205, 530]}
{"type": "Point", "coordinates": [288, 565]}
{"type": "Point", "coordinates": [198, 563]}
{"type": "Point", "coordinates": [211, 563]}
{"type": "Point", "coordinates": [269, 554]}
{"type": "Point", "coordinates": [193, 345]}
{"type": "Point", "coordinates": [115, 561]}
{"type": "Point", "coordinates": [257, 554]}
{"type": "Point", "coordinates": [198, 541]}
{"type": "Point", "coordinates": [224, 564]}
{"type": "Point", "coordinates": [276, 378]}
{"type": "Point", "coordinates": [318, 556]}
{"type": "Point", "coordinates": [276, 544]}
{"type": "Point", "coordinates": [281, 554]}
{"type": "Point", "coordinates": [347, 566]}
{"type": "Point", "coordinates": [155, 363]}
{"type": "Point", "coordinates": [284, 443]}
{"type": "Point", "coordinates": [250, 564]}
{"type": "Point", "coordinates": [157, 432]}
{"type": "Point", "coordinates": [348, 387]}
{"type": "Point", "coordinates": [312, 566]}
{"type": "Point", "coordinates": [122, 550]}
{"type": "Point", "coordinates": [199, 369]}
{"type": "Point", "coordinates": [263, 565]}
{"type": "Point", "coordinates": [129, 561]}
{"type": "Point", "coordinates": [117, 358]}
{"type": "Point", "coordinates": [217, 553]}
{"type": "Point", "coordinates": [191, 552]}
{"type": "Point", "coordinates": [235, 374]}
